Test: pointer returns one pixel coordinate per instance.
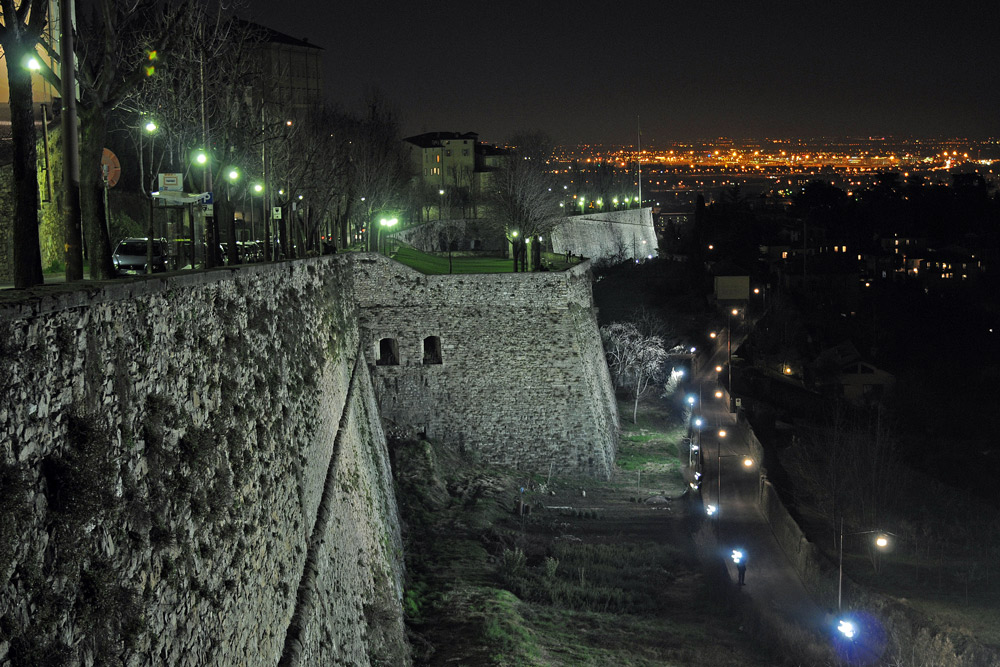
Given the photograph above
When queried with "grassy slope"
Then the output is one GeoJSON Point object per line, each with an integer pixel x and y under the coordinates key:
{"type": "Point", "coordinates": [588, 577]}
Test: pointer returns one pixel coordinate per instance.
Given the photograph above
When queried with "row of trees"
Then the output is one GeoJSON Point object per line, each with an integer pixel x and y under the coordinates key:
{"type": "Point", "coordinates": [195, 71]}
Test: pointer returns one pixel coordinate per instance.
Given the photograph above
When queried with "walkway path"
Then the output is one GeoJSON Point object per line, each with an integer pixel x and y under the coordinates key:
{"type": "Point", "coordinates": [771, 581]}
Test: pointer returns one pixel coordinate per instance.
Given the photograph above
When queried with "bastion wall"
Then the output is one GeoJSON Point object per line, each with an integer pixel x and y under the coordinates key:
{"type": "Point", "coordinates": [614, 235]}
{"type": "Point", "coordinates": [193, 472]}
{"type": "Point", "coordinates": [521, 378]}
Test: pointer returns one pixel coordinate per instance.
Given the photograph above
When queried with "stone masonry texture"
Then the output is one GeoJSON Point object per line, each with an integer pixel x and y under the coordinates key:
{"type": "Point", "coordinates": [522, 379]}
{"type": "Point", "coordinates": [615, 235]}
{"type": "Point", "coordinates": [193, 468]}
{"type": "Point", "coordinates": [168, 446]}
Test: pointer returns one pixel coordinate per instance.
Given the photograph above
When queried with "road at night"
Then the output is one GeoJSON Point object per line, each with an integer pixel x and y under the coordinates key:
{"type": "Point", "coordinates": [771, 581]}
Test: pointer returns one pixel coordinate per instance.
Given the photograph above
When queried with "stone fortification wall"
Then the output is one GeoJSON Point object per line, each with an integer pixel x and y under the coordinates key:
{"type": "Point", "coordinates": [521, 380]}
{"type": "Point", "coordinates": [464, 234]}
{"type": "Point", "coordinates": [193, 473]}
{"type": "Point", "coordinates": [613, 236]}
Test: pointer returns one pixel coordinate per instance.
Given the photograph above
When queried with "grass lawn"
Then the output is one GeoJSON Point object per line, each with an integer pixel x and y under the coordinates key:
{"type": "Point", "coordinates": [649, 450]}
{"type": "Point", "coordinates": [438, 264]}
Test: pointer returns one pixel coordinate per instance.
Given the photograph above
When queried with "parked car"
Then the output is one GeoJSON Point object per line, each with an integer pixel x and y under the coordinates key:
{"type": "Point", "coordinates": [130, 256]}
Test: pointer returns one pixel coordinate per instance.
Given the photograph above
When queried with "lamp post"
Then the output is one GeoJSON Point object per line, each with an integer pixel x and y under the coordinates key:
{"type": "Point", "coordinates": [212, 258]}
{"type": "Point", "coordinates": [384, 222]}
{"type": "Point", "coordinates": [729, 346]}
{"type": "Point", "coordinates": [881, 541]}
{"type": "Point", "coordinates": [258, 189]}
{"type": "Point", "coordinates": [514, 247]}
{"type": "Point", "coordinates": [232, 175]}
{"type": "Point", "coordinates": [150, 127]}
{"type": "Point", "coordinates": [440, 203]}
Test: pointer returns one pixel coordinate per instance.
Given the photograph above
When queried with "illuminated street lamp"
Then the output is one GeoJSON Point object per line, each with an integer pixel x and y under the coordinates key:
{"type": "Point", "coordinates": [384, 222]}
{"type": "Point", "coordinates": [881, 541]}
{"type": "Point", "coordinates": [846, 628]}
{"type": "Point", "coordinates": [150, 129]}
{"type": "Point", "coordinates": [257, 190]}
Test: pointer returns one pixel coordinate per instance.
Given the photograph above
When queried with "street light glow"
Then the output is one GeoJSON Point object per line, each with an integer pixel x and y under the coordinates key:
{"type": "Point", "coordinates": [882, 541]}
{"type": "Point", "coordinates": [722, 433]}
{"type": "Point", "coordinates": [747, 462]}
{"type": "Point", "coordinates": [718, 369]}
{"type": "Point", "coordinates": [718, 393]}
{"type": "Point", "coordinates": [710, 509]}
{"type": "Point", "coordinates": [150, 126]}
{"type": "Point", "coordinates": [847, 628]}
{"type": "Point", "coordinates": [233, 174]}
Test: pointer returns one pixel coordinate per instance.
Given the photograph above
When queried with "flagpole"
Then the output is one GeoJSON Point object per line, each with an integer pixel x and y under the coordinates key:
{"type": "Point", "coordinates": [638, 156]}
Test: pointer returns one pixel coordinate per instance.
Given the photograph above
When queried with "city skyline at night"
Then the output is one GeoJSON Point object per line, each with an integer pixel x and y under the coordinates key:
{"type": "Point", "coordinates": [688, 71]}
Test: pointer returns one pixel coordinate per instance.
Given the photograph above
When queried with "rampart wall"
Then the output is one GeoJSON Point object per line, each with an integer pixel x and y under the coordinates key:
{"type": "Point", "coordinates": [193, 472]}
{"type": "Point", "coordinates": [615, 235]}
{"type": "Point", "coordinates": [522, 379]}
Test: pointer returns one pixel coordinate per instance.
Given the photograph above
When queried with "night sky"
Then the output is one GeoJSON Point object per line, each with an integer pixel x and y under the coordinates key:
{"type": "Point", "coordinates": [584, 71]}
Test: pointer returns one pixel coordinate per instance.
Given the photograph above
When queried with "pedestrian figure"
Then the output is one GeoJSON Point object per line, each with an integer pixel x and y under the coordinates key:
{"type": "Point", "coordinates": [740, 558]}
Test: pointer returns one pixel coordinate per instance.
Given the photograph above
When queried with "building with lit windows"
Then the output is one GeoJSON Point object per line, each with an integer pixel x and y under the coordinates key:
{"type": "Point", "coordinates": [452, 168]}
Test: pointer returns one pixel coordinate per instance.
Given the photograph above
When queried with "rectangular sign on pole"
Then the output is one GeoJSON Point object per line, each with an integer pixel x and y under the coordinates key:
{"type": "Point", "coordinates": [171, 182]}
{"type": "Point", "coordinates": [276, 213]}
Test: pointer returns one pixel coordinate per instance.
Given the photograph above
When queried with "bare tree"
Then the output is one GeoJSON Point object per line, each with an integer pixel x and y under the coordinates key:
{"type": "Point", "coordinates": [636, 360]}
{"type": "Point", "coordinates": [379, 168]}
{"type": "Point", "coordinates": [118, 49]}
{"type": "Point", "coordinates": [846, 468]}
{"type": "Point", "coordinates": [524, 202]}
{"type": "Point", "coordinates": [22, 26]}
